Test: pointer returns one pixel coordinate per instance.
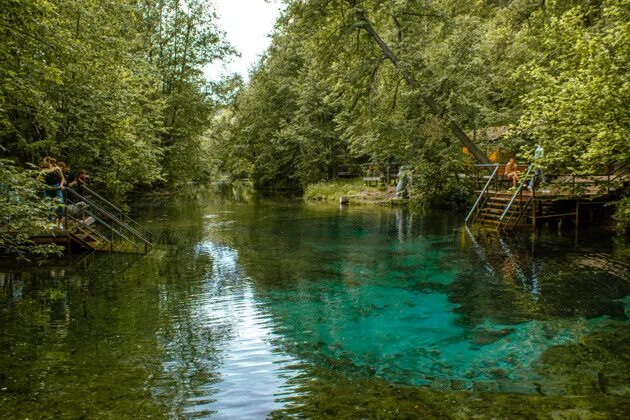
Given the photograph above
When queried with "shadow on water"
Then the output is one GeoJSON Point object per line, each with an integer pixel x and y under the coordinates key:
{"type": "Point", "coordinates": [251, 307]}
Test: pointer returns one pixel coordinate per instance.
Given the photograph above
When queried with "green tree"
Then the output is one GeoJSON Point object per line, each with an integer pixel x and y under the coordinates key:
{"type": "Point", "coordinates": [577, 106]}
{"type": "Point", "coordinates": [115, 86]}
{"type": "Point", "coordinates": [181, 38]}
{"type": "Point", "coordinates": [24, 212]}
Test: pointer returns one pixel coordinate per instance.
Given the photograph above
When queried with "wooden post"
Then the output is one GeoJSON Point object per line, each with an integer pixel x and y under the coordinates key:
{"type": "Point", "coordinates": [577, 220]}
{"type": "Point", "coordinates": [65, 212]}
{"type": "Point", "coordinates": [577, 214]}
{"type": "Point", "coordinates": [534, 215]}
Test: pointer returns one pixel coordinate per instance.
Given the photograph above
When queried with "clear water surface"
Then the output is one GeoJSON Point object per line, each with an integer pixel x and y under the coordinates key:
{"type": "Point", "coordinates": [254, 308]}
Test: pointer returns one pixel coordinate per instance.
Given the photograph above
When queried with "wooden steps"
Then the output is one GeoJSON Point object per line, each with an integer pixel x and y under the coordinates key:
{"type": "Point", "coordinates": [98, 225]}
{"type": "Point", "coordinates": [497, 206]}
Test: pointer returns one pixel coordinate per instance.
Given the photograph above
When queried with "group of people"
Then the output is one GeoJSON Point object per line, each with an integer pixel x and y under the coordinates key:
{"type": "Point", "coordinates": [56, 176]}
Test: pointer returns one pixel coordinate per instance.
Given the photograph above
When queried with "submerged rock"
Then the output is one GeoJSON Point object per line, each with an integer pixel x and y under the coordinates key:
{"type": "Point", "coordinates": [486, 336]}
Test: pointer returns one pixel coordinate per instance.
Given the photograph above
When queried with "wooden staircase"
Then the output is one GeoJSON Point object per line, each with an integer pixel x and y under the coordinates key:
{"type": "Point", "coordinates": [101, 226]}
{"type": "Point", "coordinates": [500, 211]}
{"type": "Point", "coordinates": [497, 208]}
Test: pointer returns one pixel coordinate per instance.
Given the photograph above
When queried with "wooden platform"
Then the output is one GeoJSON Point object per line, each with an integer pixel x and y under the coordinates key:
{"type": "Point", "coordinates": [548, 195]}
{"type": "Point", "coordinates": [502, 209]}
{"type": "Point", "coordinates": [78, 242]}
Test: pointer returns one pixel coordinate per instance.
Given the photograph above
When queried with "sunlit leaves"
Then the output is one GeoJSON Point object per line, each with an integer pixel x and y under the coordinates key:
{"type": "Point", "coordinates": [577, 105]}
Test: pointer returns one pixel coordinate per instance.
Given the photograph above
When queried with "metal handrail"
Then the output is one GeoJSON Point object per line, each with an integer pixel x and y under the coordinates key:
{"type": "Point", "coordinates": [102, 222]}
{"type": "Point", "coordinates": [112, 217]}
{"type": "Point", "coordinates": [121, 215]}
{"type": "Point", "coordinates": [518, 190]}
{"type": "Point", "coordinates": [109, 226]}
{"type": "Point", "coordinates": [90, 229]}
{"type": "Point", "coordinates": [120, 212]}
{"type": "Point", "coordinates": [523, 210]}
{"type": "Point", "coordinates": [624, 169]}
{"type": "Point", "coordinates": [483, 191]}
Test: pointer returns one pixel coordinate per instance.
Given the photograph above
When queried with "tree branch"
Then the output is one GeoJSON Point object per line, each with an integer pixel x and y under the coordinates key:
{"type": "Point", "coordinates": [365, 24]}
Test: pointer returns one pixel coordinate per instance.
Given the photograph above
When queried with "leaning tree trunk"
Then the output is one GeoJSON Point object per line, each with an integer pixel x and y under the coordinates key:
{"type": "Point", "coordinates": [428, 100]}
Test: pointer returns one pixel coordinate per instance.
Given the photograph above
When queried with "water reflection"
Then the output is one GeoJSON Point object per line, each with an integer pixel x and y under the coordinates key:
{"type": "Point", "coordinates": [550, 277]}
{"type": "Point", "coordinates": [229, 321]}
{"type": "Point", "coordinates": [252, 307]}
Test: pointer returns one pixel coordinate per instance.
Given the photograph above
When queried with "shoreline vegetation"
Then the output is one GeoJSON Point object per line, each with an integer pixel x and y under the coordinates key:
{"type": "Point", "coordinates": [118, 87]}
{"type": "Point", "coordinates": [355, 191]}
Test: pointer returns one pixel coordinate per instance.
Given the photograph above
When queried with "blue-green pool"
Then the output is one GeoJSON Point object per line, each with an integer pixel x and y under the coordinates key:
{"type": "Point", "coordinates": [250, 308]}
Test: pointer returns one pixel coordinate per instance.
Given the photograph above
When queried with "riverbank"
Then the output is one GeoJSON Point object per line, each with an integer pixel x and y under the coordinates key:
{"type": "Point", "coordinates": [355, 191]}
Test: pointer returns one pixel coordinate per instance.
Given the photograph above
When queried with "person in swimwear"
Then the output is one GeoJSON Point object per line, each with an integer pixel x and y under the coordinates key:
{"type": "Point", "coordinates": [511, 171]}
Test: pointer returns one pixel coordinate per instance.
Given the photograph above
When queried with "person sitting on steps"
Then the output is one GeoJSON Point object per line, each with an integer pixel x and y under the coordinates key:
{"type": "Point", "coordinates": [511, 171]}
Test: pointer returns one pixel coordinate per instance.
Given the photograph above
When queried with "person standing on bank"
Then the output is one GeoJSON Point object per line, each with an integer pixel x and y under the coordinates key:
{"type": "Point", "coordinates": [54, 180]}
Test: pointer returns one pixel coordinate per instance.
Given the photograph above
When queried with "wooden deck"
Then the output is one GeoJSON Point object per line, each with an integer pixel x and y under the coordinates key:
{"type": "Point", "coordinates": [502, 209]}
{"type": "Point", "coordinates": [78, 242]}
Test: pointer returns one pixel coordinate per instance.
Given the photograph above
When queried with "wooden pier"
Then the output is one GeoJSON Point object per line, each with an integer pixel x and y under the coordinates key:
{"type": "Point", "coordinates": [502, 209]}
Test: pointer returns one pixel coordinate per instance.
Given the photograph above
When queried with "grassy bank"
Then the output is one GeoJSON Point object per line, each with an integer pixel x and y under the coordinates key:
{"type": "Point", "coordinates": [354, 189]}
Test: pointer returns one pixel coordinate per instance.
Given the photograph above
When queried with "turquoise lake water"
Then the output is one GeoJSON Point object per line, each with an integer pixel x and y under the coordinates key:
{"type": "Point", "coordinates": [254, 308]}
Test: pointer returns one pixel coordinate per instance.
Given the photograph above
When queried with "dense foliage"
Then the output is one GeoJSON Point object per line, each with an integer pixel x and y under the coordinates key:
{"type": "Point", "coordinates": [577, 107]}
{"type": "Point", "coordinates": [115, 86]}
{"type": "Point", "coordinates": [23, 212]}
{"type": "Point", "coordinates": [379, 80]}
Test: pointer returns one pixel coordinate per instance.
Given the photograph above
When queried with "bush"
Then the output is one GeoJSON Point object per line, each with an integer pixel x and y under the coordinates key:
{"type": "Point", "coordinates": [622, 214]}
{"type": "Point", "coordinates": [332, 190]}
{"type": "Point", "coordinates": [23, 212]}
{"type": "Point", "coordinates": [436, 182]}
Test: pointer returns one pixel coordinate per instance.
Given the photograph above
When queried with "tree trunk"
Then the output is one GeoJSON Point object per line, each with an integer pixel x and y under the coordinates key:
{"type": "Point", "coordinates": [413, 84]}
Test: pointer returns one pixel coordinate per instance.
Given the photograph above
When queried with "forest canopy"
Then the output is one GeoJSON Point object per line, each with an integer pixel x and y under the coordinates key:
{"type": "Point", "coordinates": [379, 80]}
{"type": "Point", "coordinates": [117, 86]}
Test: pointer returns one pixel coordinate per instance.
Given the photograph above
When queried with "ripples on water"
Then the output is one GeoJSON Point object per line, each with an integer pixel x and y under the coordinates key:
{"type": "Point", "coordinates": [246, 310]}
